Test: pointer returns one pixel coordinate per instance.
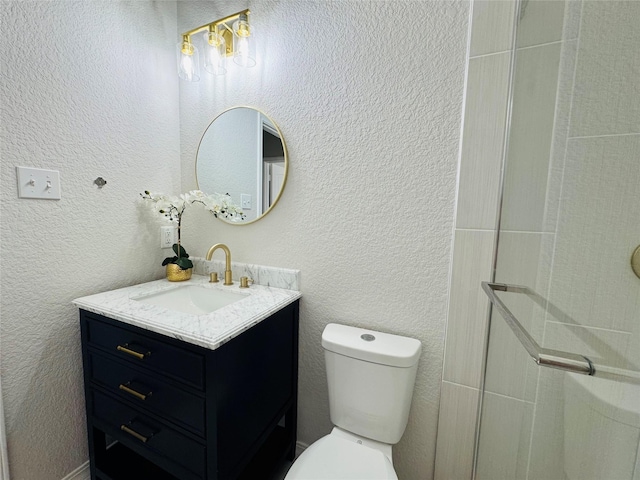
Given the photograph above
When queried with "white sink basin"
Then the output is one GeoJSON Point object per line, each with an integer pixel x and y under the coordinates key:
{"type": "Point", "coordinates": [192, 299]}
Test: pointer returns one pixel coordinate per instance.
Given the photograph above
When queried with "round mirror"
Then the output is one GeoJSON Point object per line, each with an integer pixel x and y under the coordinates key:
{"type": "Point", "coordinates": [242, 153]}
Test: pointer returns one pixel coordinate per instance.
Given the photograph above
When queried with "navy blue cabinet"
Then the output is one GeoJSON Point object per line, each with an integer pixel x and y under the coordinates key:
{"type": "Point", "coordinates": [159, 408]}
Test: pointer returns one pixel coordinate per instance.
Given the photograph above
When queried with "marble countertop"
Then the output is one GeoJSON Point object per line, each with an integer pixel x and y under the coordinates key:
{"type": "Point", "coordinates": [210, 330]}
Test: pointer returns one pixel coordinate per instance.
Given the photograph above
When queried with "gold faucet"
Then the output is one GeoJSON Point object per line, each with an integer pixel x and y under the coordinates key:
{"type": "Point", "coordinates": [227, 265]}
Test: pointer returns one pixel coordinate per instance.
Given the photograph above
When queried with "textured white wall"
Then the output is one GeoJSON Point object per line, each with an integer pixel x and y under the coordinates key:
{"type": "Point", "coordinates": [89, 89]}
{"type": "Point", "coordinates": [372, 126]}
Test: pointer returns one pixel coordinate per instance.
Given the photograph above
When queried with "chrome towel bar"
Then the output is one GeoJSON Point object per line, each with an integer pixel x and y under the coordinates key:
{"type": "Point", "coordinates": [542, 356]}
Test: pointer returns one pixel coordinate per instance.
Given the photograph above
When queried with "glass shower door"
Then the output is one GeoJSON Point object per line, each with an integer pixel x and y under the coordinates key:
{"type": "Point", "coordinates": [561, 394]}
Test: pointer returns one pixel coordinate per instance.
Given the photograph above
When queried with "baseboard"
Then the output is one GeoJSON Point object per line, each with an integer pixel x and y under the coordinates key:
{"type": "Point", "coordinates": [80, 473]}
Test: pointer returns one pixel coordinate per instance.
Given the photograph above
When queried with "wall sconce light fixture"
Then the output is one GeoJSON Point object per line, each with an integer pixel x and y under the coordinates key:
{"type": "Point", "coordinates": [222, 39]}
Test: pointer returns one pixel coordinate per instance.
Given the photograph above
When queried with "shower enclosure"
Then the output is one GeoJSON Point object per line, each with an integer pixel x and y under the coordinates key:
{"type": "Point", "coordinates": [561, 390]}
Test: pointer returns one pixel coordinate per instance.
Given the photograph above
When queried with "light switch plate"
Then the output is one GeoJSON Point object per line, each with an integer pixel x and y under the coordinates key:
{"type": "Point", "coordinates": [38, 183]}
{"type": "Point", "coordinates": [245, 201]}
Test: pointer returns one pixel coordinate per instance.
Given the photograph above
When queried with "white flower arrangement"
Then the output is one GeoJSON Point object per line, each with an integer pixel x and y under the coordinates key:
{"type": "Point", "coordinates": [220, 205]}
{"type": "Point", "coordinates": [172, 208]}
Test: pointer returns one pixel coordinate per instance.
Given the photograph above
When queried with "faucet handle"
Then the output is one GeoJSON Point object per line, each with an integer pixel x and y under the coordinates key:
{"type": "Point", "coordinates": [213, 277]}
{"type": "Point", "coordinates": [245, 281]}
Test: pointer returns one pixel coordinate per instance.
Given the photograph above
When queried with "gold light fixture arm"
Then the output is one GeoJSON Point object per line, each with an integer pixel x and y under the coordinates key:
{"type": "Point", "coordinates": [227, 32]}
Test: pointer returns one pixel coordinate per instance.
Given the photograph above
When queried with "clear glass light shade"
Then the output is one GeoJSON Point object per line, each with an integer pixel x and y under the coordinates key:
{"type": "Point", "coordinates": [188, 62]}
{"type": "Point", "coordinates": [215, 53]}
{"type": "Point", "coordinates": [244, 49]}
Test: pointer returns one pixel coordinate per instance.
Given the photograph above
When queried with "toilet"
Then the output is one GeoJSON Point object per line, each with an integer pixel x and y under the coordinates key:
{"type": "Point", "coordinates": [370, 376]}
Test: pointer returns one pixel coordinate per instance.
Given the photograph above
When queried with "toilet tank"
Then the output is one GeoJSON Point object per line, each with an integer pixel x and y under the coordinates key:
{"type": "Point", "coordinates": [371, 376]}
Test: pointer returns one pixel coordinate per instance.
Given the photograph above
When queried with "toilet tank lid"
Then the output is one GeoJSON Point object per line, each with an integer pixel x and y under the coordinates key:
{"type": "Point", "coordinates": [371, 346]}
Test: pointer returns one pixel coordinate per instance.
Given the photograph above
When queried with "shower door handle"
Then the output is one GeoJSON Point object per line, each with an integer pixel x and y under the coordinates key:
{"type": "Point", "coordinates": [542, 356]}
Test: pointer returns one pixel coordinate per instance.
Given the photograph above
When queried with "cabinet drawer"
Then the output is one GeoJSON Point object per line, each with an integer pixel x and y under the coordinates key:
{"type": "Point", "coordinates": [149, 392]}
{"type": "Point", "coordinates": [129, 425]}
{"type": "Point", "coordinates": [144, 350]}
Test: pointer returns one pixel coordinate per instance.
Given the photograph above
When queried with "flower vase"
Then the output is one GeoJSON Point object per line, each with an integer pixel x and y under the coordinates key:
{"type": "Point", "coordinates": [176, 274]}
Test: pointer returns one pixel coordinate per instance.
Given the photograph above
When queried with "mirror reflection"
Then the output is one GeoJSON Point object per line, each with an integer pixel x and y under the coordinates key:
{"type": "Point", "coordinates": [242, 153]}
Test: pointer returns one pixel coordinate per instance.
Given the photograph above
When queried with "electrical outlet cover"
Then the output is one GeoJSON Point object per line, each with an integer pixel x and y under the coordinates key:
{"type": "Point", "coordinates": [167, 237]}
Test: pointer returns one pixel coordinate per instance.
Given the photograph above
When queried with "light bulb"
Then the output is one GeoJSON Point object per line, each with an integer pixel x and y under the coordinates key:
{"type": "Point", "coordinates": [215, 50]}
{"type": "Point", "coordinates": [243, 43]}
{"type": "Point", "coordinates": [188, 65]}
{"type": "Point", "coordinates": [243, 50]}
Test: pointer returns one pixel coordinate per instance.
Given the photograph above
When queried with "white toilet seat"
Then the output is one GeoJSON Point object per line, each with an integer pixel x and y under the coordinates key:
{"type": "Point", "coordinates": [334, 457]}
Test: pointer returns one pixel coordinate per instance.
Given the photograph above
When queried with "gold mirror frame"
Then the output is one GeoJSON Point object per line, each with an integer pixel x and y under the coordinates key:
{"type": "Point", "coordinates": [635, 261]}
{"type": "Point", "coordinates": [275, 126]}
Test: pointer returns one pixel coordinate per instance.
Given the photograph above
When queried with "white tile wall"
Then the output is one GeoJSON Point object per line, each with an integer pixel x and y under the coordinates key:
{"type": "Point", "coordinates": [610, 446]}
{"type": "Point", "coordinates": [607, 100]}
{"type": "Point", "coordinates": [603, 347]}
{"type": "Point", "coordinates": [505, 438]}
{"type": "Point", "coordinates": [456, 432]}
{"type": "Point", "coordinates": [522, 261]}
{"type": "Point", "coordinates": [483, 136]}
{"type": "Point", "coordinates": [518, 258]}
{"type": "Point", "coordinates": [572, 13]}
{"type": "Point", "coordinates": [560, 133]}
{"type": "Point", "coordinates": [592, 201]}
{"type": "Point", "coordinates": [491, 27]}
{"type": "Point", "coordinates": [592, 281]}
{"type": "Point", "coordinates": [546, 458]}
{"type": "Point", "coordinates": [534, 100]}
{"type": "Point", "coordinates": [485, 114]}
{"type": "Point", "coordinates": [478, 193]}
{"type": "Point", "coordinates": [540, 22]}
{"type": "Point", "coordinates": [468, 306]}
{"type": "Point", "coordinates": [510, 370]}
{"type": "Point", "coordinates": [573, 197]}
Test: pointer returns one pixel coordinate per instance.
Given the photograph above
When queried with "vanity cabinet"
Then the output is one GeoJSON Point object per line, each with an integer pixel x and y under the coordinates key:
{"type": "Point", "coordinates": [160, 408]}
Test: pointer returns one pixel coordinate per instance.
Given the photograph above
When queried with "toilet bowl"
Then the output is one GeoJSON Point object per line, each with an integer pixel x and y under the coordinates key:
{"type": "Point", "coordinates": [342, 455]}
{"type": "Point", "coordinates": [370, 377]}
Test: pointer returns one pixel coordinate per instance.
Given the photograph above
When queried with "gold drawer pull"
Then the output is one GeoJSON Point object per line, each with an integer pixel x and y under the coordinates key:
{"type": "Point", "coordinates": [133, 433]}
{"type": "Point", "coordinates": [125, 348]}
{"type": "Point", "coordinates": [125, 387]}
